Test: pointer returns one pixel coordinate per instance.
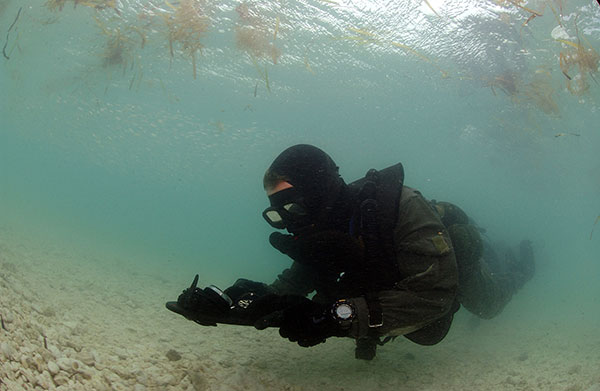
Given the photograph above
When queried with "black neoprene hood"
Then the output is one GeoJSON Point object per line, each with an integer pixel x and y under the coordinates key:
{"type": "Point", "coordinates": [312, 172]}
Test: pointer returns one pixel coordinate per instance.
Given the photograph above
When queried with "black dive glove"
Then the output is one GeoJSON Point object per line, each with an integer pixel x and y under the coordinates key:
{"type": "Point", "coordinates": [195, 301]}
{"type": "Point", "coordinates": [243, 292]}
{"type": "Point", "coordinates": [210, 305]}
{"type": "Point", "coordinates": [333, 249]}
{"type": "Point", "coordinates": [299, 319]}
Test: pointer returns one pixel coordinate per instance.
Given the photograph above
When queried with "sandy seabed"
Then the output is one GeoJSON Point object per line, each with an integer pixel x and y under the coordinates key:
{"type": "Point", "coordinates": [75, 322]}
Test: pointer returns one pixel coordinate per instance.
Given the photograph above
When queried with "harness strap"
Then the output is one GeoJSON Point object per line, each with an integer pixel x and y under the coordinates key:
{"type": "Point", "coordinates": [380, 268]}
{"type": "Point", "coordinates": [375, 311]}
{"type": "Point", "coordinates": [378, 197]}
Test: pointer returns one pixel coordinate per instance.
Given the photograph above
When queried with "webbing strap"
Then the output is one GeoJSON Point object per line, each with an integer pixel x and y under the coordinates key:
{"type": "Point", "coordinates": [375, 311]}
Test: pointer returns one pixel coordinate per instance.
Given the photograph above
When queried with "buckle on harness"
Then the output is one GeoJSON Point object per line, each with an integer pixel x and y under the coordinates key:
{"type": "Point", "coordinates": [374, 325]}
{"type": "Point", "coordinates": [375, 311]}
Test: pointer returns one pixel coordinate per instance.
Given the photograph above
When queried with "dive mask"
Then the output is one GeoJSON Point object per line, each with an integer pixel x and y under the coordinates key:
{"type": "Point", "coordinates": [287, 210]}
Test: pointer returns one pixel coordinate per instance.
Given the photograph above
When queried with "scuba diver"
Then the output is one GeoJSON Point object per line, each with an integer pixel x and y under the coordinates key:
{"type": "Point", "coordinates": [381, 260]}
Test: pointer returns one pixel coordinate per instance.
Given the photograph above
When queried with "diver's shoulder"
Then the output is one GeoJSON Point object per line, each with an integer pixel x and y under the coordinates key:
{"type": "Point", "coordinates": [409, 193]}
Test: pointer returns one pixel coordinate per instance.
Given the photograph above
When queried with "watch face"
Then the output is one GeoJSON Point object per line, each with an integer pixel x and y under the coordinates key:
{"type": "Point", "coordinates": [344, 311]}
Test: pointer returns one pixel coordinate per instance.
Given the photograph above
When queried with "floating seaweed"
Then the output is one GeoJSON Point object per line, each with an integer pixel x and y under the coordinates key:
{"type": "Point", "coordinates": [431, 8]}
{"type": "Point", "coordinates": [507, 82]}
{"type": "Point", "coordinates": [276, 29]}
{"type": "Point", "coordinates": [578, 61]}
{"type": "Point", "coordinates": [566, 134]}
{"type": "Point", "coordinates": [187, 25]}
{"type": "Point", "coordinates": [8, 33]}
{"type": "Point", "coordinates": [307, 64]}
{"type": "Point", "coordinates": [583, 60]}
{"type": "Point", "coordinates": [263, 74]}
{"type": "Point", "coordinates": [58, 5]}
{"type": "Point", "coordinates": [365, 37]}
{"type": "Point", "coordinates": [218, 125]}
{"type": "Point", "coordinates": [55, 5]}
{"type": "Point", "coordinates": [519, 4]}
{"type": "Point", "coordinates": [119, 47]}
{"type": "Point", "coordinates": [253, 33]}
{"type": "Point", "coordinates": [252, 40]}
{"type": "Point", "coordinates": [529, 19]}
{"type": "Point", "coordinates": [362, 37]}
{"type": "Point", "coordinates": [98, 4]}
{"type": "Point", "coordinates": [557, 15]}
{"type": "Point", "coordinates": [539, 92]}
{"type": "Point", "coordinates": [119, 51]}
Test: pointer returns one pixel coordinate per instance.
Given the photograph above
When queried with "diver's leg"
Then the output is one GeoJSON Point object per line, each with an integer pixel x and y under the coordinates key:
{"type": "Point", "coordinates": [485, 293]}
{"type": "Point", "coordinates": [480, 290]}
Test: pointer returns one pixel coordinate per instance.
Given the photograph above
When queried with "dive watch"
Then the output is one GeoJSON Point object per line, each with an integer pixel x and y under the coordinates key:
{"type": "Point", "coordinates": [343, 312]}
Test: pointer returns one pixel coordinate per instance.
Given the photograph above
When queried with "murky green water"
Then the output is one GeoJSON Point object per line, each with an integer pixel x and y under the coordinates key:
{"type": "Point", "coordinates": [145, 128]}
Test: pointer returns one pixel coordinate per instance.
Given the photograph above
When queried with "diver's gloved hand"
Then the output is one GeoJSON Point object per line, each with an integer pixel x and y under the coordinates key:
{"type": "Point", "coordinates": [243, 292]}
{"type": "Point", "coordinates": [201, 301]}
{"type": "Point", "coordinates": [333, 248]}
{"type": "Point", "coordinates": [299, 319]}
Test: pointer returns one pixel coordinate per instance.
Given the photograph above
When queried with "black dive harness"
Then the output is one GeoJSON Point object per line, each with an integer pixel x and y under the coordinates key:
{"type": "Point", "coordinates": [378, 197]}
